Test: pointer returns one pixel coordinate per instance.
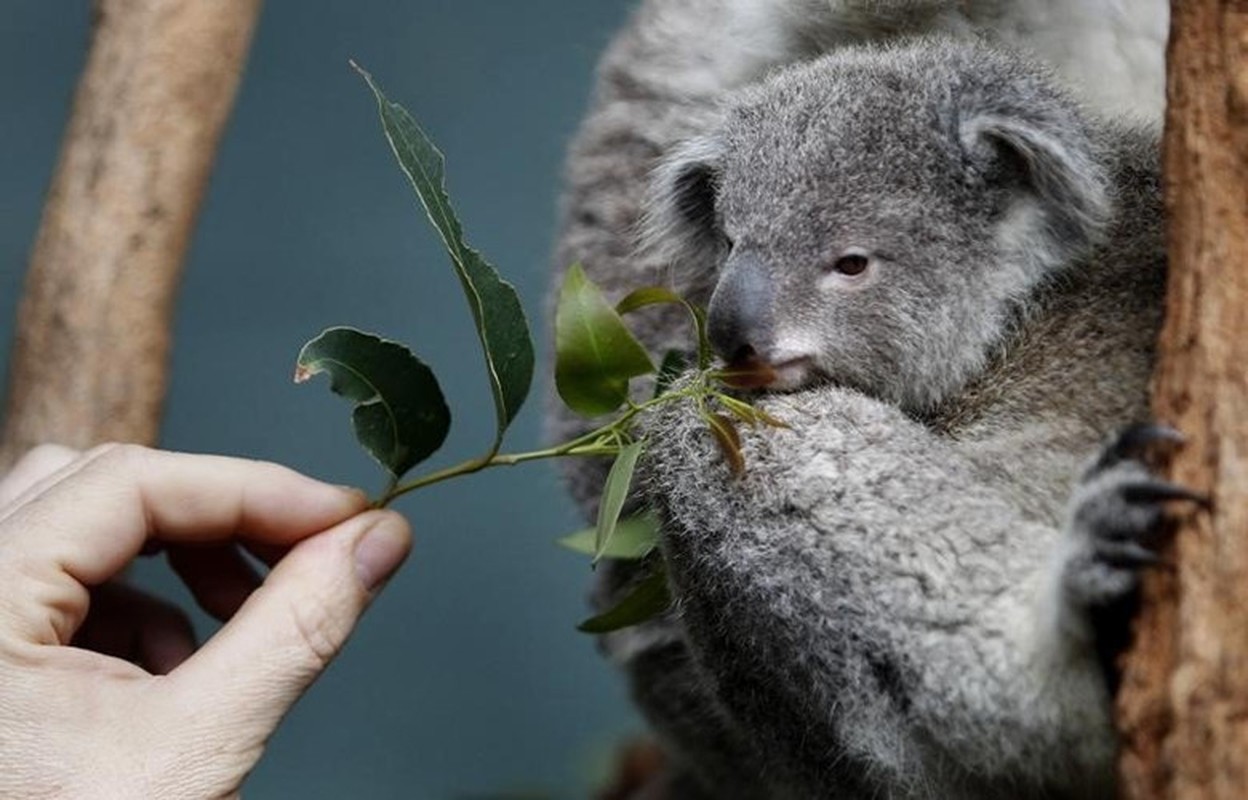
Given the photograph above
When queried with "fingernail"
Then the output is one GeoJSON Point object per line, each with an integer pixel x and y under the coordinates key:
{"type": "Point", "coordinates": [358, 496]}
{"type": "Point", "coordinates": [381, 550]}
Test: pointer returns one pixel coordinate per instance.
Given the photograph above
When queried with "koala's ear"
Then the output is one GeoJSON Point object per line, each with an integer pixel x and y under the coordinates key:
{"type": "Point", "coordinates": [1047, 152]}
{"type": "Point", "coordinates": [680, 224]}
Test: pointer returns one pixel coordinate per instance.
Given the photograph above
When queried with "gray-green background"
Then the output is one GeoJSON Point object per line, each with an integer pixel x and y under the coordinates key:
{"type": "Point", "coordinates": [467, 677]}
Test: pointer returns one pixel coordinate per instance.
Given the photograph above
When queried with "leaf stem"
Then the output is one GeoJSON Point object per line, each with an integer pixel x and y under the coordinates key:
{"type": "Point", "coordinates": [384, 499]}
{"type": "Point", "coordinates": [602, 441]}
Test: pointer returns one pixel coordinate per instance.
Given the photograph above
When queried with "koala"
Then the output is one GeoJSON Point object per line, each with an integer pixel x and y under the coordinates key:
{"type": "Point", "coordinates": [956, 274]}
{"type": "Point", "coordinates": [662, 79]}
{"type": "Point", "coordinates": [955, 271]}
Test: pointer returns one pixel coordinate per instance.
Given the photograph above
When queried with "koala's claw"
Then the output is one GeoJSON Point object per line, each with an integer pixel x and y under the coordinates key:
{"type": "Point", "coordinates": [1135, 441]}
{"type": "Point", "coordinates": [1117, 518]}
{"type": "Point", "coordinates": [1160, 492]}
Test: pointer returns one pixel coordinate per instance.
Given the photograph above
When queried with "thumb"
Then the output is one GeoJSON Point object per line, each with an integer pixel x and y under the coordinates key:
{"type": "Point", "coordinates": [247, 677]}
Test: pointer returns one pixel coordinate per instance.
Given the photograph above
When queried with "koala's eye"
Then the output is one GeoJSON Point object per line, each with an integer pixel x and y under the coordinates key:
{"type": "Point", "coordinates": [851, 264]}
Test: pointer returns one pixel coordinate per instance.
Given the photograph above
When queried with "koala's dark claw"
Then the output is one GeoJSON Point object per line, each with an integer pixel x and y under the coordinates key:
{"type": "Point", "coordinates": [1155, 491]}
{"type": "Point", "coordinates": [1134, 441]}
{"type": "Point", "coordinates": [1127, 555]}
{"type": "Point", "coordinates": [1117, 518]}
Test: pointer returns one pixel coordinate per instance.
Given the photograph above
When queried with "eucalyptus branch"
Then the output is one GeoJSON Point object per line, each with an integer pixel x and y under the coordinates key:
{"type": "Point", "coordinates": [401, 417]}
{"type": "Point", "coordinates": [588, 444]}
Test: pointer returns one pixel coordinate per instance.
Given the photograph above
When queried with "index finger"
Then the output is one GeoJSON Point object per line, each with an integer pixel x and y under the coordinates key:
{"type": "Point", "coordinates": [89, 523]}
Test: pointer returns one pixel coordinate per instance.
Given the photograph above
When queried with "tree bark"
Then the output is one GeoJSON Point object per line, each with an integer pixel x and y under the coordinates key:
{"type": "Point", "coordinates": [90, 355]}
{"type": "Point", "coordinates": [1183, 708]}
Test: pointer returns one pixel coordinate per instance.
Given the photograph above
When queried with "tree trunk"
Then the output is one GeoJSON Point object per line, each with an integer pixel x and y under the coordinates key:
{"type": "Point", "coordinates": [92, 339]}
{"type": "Point", "coordinates": [1183, 708]}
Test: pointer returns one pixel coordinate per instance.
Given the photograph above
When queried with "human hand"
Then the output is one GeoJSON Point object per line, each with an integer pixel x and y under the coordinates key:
{"type": "Point", "coordinates": [79, 723]}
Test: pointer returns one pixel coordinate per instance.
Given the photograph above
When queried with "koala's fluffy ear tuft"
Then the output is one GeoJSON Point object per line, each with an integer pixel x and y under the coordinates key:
{"type": "Point", "coordinates": [681, 225]}
{"type": "Point", "coordinates": [1047, 151]}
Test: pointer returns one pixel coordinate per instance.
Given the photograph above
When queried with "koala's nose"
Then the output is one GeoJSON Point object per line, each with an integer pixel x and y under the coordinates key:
{"type": "Point", "coordinates": [740, 319]}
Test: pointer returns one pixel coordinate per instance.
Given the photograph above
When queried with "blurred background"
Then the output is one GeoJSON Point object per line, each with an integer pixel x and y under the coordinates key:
{"type": "Point", "coordinates": [467, 678]}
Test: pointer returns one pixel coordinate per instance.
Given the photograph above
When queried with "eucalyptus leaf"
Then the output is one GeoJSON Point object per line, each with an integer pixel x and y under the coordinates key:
{"type": "Point", "coordinates": [768, 419]}
{"type": "Point", "coordinates": [634, 538]}
{"type": "Point", "coordinates": [648, 296]}
{"type": "Point", "coordinates": [614, 493]}
{"type": "Point", "coordinates": [496, 309]}
{"type": "Point", "coordinates": [739, 409]}
{"type": "Point", "coordinates": [595, 353]}
{"type": "Point", "coordinates": [647, 600]}
{"type": "Point", "coordinates": [400, 416]}
{"type": "Point", "coordinates": [729, 440]}
{"type": "Point", "coordinates": [655, 295]}
{"type": "Point", "coordinates": [752, 415]}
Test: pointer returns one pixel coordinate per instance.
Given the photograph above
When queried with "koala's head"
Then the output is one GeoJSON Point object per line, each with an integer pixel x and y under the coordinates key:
{"type": "Point", "coordinates": [876, 218]}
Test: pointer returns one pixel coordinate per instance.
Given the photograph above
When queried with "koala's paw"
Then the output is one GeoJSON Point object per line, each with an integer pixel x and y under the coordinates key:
{"type": "Point", "coordinates": [1117, 518]}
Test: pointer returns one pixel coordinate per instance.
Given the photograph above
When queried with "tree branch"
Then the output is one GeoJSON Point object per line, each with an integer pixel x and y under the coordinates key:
{"type": "Point", "coordinates": [1183, 708]}
{"type": "Point", "coordinates": [92, 340]}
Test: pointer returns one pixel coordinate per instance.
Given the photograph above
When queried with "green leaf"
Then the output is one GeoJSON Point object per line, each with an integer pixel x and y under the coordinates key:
{"type": "Point", "coordinates": [595, 353]}
{"type": "Point", "coordinates": [496, 309]}
{"type": "Point", "coordinates": [768, 419]}
{"type": "Point", "coordinates": [614, 493]}
{"type": "Point", "coordinates": [653, 295]}
{"type": "Point", "coordinates": [741, 410]}
{"type": "Point", "coordinates": [649, 599]}
{"type": "Point", "coordinates": [752, 415]}
{"type": "Point", "coordinates": [647, 296]}
{"type": "Point", "coordinates": [634, 539]}
{"type": "Point", "coordinates": [400, 417]}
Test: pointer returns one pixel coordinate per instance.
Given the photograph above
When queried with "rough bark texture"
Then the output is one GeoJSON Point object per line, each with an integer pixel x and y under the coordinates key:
{"type": "Point", "coordinates": [1184, 702]}
{"type": "Point", "coordinates": [89, 362]}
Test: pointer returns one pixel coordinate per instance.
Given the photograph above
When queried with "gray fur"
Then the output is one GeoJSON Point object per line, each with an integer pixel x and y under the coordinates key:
{"type": "Point", "coordinates": [882, 606]}
{"type": "Point", "coordinates": [933, 163]}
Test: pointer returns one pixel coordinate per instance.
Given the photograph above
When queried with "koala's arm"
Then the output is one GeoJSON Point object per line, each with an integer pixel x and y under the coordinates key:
{"type": "Point", "coordinates": [863, 594]}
